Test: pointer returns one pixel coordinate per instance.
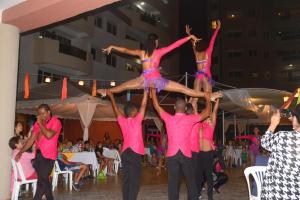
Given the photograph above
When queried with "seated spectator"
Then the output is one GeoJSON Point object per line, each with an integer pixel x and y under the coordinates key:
{"type": "Point", "coordinates": [79, 169]}
{"type": "Point", "coordinates": [109, 158]}
{"type": "Point", "coordinates": [16, 144]}
{"type": "Point", "coordinates": [87, 146]}
{"type": "Point", "coordinates": [68, 147]}
{"type": "Point", "coordinates": [78, 146]}
{"type": "Point", "coordinates": [100, 157]}
{"type": "Point", "coordinates": [219, 177]}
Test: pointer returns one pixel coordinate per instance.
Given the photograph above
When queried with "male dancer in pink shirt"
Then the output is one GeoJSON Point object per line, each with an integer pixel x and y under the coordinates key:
{"type": "Point", "coordinates": [133, 147]}
{"type": "Point", "coordinates": [45, 134]}
{"type": "Point", "coordinates": [179, 154]}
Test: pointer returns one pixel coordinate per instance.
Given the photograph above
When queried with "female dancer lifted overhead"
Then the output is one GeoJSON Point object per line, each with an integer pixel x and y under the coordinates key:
{"type": "Point", "coordinates": [203, 54]}
{"type": "Point", "coordinates": [150, 57]}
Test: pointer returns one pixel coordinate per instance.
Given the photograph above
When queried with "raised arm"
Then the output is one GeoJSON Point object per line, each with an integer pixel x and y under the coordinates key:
{"type": "Point", "coordinates": [215, 111]}
{"type": "Point", "coordinates": [176, 44]}
{"type": "Point", "coordinates": [144, 103]}
{"type": "Point", "coordinates": [270, 140]}
{"type": "Point", "coordinates": [136, 52]}
{"type": "Point", "coordinates": [27, 145]}
{"type": "Point", "coordinates": [206, 112]}
{"type": "Point", "coordinates": [213, 38]}
{"type": "Point", "coordinates": [114, 104]}
{"type": "Point", "coordinates": [156, 105]}
{"type": "Point", "coordinates": [188, 32]}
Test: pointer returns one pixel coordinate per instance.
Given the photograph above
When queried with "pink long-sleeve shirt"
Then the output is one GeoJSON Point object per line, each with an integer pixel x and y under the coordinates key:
{"type": "Point", "coordinates": [159, 53]}
{"type": "Point", "coordinates": [179, 127]}
{"type": "Point", "coordinates": [132, 133]}
{"type": "Point", "coordinates": [48, 147]}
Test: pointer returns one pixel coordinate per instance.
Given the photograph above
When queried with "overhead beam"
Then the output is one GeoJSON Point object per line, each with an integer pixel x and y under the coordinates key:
{"type": "Point", "coordinates": [32, 14]}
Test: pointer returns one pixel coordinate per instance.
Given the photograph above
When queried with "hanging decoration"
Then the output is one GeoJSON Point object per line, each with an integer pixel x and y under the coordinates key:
{"type": "Point", "coordinates": [94, 88]}
{"type": "Point", "coordinates": [64, 90]}
{"type": "Point", "coordinates": [26, 86]}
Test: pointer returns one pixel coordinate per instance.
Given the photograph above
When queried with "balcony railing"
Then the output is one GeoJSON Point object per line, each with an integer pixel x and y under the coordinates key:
{"type": "Point", "coordinates": [72, 51]}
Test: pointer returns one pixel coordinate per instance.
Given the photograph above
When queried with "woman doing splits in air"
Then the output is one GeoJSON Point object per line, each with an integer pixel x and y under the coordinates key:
{"type": "Point", "coordinates": [150, 58]}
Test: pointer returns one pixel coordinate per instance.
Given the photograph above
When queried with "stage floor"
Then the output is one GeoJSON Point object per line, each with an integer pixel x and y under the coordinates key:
{"type": "Point", "coordinates": [153, 187]}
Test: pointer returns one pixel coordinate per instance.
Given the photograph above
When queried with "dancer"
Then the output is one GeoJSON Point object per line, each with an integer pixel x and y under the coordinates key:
{"type": "Point", "coordinates": [133, 147]}
{"type": "Point", "coordinates": [150, 58]}
{"type": "Point", "coordinates": [179, 154]}
{"type": "Point", "coordinates": [255, 143]}
{"type": "Point", "coordinates": [207, 151]}
{"type": "Point", "coordinates": [203, 54]}
{"type": "Point", "coordinates": [45, 134]}
{"type": "Point", "coordinates": [194, 142]}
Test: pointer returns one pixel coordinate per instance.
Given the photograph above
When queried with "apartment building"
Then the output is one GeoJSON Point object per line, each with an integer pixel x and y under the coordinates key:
{"type": "Point", "coordinates": [259, 43]}
{"type": "Point", "coordinates": [73, 48]}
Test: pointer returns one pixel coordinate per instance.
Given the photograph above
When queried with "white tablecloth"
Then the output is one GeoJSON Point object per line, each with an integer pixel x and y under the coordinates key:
{"type": "Point", "coordinates": [88, 158]}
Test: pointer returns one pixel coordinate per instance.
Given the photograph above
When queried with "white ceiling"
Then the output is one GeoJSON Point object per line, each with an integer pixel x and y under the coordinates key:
{"type": "Point", "coordinates": [4, 4]}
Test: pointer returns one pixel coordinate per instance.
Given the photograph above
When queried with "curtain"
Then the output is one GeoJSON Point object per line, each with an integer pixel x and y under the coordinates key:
{"type": "Point", "coordinates": [86, 111]}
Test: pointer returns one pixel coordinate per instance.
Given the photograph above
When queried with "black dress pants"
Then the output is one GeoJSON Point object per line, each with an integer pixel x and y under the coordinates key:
{"type": "Point", "coordinates": [177, 165]}
{"type": "Point", "coordinates": [205, 171]}
{"type": "Point", "coordinates": [131, 163]}
{"type": "Point", "coordinates": [43, 168]}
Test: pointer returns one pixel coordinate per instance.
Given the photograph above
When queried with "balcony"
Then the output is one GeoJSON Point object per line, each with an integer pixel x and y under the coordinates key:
{"type": "Point", "coordinates": [131, 44]}
{"type": "Point", "coordinates": [77, 29]}
{"type": "Point", "coordinates": [64, 57]}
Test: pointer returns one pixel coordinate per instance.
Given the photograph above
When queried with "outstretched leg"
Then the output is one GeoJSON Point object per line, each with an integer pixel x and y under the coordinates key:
{"type": "Point", "coordinates": [132, 84]}
{"type": "Point", "coordinates": [206, 85]}
{"type": "Point", "coordinates": [176, 87]}
{"type": "Point", "coordinates": [197, 86]}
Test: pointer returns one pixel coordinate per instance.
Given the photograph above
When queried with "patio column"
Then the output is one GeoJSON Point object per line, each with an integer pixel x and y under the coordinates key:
{"type": "Point", "coordinates": [9, 49]}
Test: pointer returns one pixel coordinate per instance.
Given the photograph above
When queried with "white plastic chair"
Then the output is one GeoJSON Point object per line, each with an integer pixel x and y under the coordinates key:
{"type": "Point", "coordinates": [117, 162]}
{"type": "Point", "coordinates": [17, 169]}
{"type": "Point", "coordinates": [258, 173]}
{"type": "Point", "coordinates": [57, 171]}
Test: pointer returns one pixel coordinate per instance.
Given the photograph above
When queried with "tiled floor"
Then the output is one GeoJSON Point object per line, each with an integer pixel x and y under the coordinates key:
{"type": "Point", "coordinates": [152, 188]}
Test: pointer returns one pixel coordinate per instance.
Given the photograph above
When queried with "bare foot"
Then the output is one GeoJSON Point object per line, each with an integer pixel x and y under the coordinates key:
{"type": "Point", "coordinates": [102, 92]}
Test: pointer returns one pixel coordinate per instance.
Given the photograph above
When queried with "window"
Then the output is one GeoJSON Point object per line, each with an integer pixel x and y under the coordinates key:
{"type": "Point", "coordinates": [214, 6]}
{"type": "Point", "coordinates": [266, 35]}
{"type": "Point", "coordinates": [234, 54]}
{"type": "Point", "coordinates": [233, 14]}
{"type": "Point", "coordinates": [234, 34]}
{"type": "Point", "coordinates": [251, 13]}
{"type": "Point", "coordinates": [236, 74]}
{"type": "Point", "coordinates": [93, 52]}
{"type": "Point", "coordinates": [111, 28]}
{"type": "Point", "coordinates": [128, 37]}
{"type": "Point", "coordinates": [284, 15]}
{"type": "Point", "coordinates": [254, 74]}
{"type": "Point", "coordinates": [267, 74]}
{"type": "Point", "coordinates": [252, 52]}
{"type": "Point", "coordinates": [111, 60]}
{"type": "Point", "coordinates": [98, 22]}
{"type": "Point", "coordinates": [129, 67]}
{"type": "Point", "coordinates": [47, 77]}
{"type": "Point", "coordinates": [252, 33]}
{"type": "Point", "coordinates": [266, 54]}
